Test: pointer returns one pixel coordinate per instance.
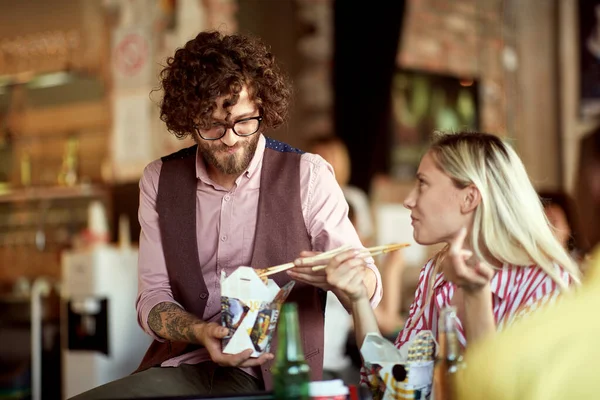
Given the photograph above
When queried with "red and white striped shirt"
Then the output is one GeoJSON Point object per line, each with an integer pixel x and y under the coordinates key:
{"type": "Point", "coordinates": [516, 291]}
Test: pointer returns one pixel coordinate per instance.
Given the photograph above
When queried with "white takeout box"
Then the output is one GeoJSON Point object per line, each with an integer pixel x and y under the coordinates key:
{"type": "Point", "coordinates": [399, 373]}
{"type": "Point", "coordinates": [250, 309]}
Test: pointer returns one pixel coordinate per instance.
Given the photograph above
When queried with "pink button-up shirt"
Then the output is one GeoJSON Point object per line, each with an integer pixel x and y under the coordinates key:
{"type": "Point", "coordinates": [226, 224]}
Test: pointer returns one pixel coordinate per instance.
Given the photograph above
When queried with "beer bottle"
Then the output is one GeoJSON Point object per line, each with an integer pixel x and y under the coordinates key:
{"type": "Point", "coordinates": [449, 359]}
{"type": "Point", "coordinates": [454, 359]}
{"type": "Point", "coordinates": [291, 373]}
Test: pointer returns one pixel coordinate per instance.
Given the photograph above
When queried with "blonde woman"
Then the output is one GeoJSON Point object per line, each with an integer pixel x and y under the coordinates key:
{"type": "Point", "coordinates": [501, 258]}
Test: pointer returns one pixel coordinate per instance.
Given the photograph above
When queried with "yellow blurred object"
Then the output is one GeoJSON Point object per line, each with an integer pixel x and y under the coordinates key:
{"type": "Point", "coordinates": [25, 170]}
{"type": "Point", "coordinates": [4, 188]}
{"type": "Point", "coordinates": [551, 355]}
{"type": "Point", "coordinates": [68, 172]}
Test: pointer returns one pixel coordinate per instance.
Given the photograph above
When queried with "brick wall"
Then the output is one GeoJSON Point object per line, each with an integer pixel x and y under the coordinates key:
{"type": "Point", "coordinates": [511, 48]}
{"type": "Point", "coordinates": [462, 38]}
{"type": "Point", "coordinates": [457, 37]}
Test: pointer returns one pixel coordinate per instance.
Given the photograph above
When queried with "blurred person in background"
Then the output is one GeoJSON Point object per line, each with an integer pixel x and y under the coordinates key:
{"type": "Point", "coordinates": [388, 313]}
{"type": "Point", "coordinates": [501, 259]}
{"type": "Point", "coordinates": [335, 152]}
{"type": "Point", "coordinates": [587, 192]}
{"type": "Point", "coordinates": [562, 215]}
{"type": "Point", "coordinates": [235, 198]}
{"type": "Point", "coordinates": [338, 322]}
{"type": "Point", "coordinates": [342, 357]}
{"type": "Point", "coordinates": [337, 362]}
{"type": "Point", "coordinates": [338, 352]}
{"type": "Point", "coordinates": [554, 354]}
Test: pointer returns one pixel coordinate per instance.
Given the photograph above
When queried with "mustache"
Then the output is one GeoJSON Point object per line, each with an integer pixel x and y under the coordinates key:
{"type": "Point", "coordinates": [224, 147]}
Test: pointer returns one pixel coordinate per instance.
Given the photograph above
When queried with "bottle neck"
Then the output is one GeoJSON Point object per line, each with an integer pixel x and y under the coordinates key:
{"type": "Point", "coordinates": [447, 336]}
{"type": "Point", "coordinates": [290, 346]}
{"type": "Point", "coordinates": [452, 347]}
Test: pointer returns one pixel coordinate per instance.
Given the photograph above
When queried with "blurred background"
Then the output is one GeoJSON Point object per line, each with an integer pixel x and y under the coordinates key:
{"type": "Point", "coordinates": [79, 121]}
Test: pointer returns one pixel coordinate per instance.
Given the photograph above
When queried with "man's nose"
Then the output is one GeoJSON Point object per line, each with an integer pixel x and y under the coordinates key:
{"type": "Point", "coordinates": [230, 138]}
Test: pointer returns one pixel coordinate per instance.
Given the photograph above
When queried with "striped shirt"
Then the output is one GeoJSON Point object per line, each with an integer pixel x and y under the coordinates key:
{"type": "Point", "coordinates": [516, 291]}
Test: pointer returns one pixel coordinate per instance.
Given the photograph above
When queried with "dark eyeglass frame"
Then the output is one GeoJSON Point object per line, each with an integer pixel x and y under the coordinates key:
{"type": "Point", "coordinates": [232, 127]}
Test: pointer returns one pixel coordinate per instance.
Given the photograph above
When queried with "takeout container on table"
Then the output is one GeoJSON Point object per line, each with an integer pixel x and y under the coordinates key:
{"type": "Point", "coordinates": [405, 373]}
{"type": "Point", "coordinates": [250, 310]}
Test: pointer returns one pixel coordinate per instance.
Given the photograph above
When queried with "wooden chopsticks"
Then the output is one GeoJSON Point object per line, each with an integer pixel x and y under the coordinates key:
{"type": "Point", "coordinates": [371, 251]}
{"type": "Point", "coordinates": [328, 255]}
{"type": "Point", "coordinates": [283, 267]}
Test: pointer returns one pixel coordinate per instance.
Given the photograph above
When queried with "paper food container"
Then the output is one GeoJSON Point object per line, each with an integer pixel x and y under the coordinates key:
{"type": "Point", "coordinates": [250, 310]}
{"type": "Point", "coordinates": [405, 373]}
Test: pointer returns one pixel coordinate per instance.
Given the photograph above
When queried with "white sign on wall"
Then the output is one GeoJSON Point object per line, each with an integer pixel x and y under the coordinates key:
{"type": "Point", "coordinates": [131, 57]}
{"type": "Point", "coordinates": [131, 139]}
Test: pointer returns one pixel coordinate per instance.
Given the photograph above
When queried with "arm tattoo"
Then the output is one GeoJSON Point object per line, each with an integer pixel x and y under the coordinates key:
{"type": "Point", "coordinates": [172, 322]}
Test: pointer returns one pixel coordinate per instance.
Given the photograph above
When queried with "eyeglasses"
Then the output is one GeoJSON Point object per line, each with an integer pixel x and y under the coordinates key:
{"type": "Point", "coordinates": [243, 127]}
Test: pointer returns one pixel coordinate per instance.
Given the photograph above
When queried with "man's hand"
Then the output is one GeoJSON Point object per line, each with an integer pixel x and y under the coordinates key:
{"type": "Point", "coordinates": [172, 322]}
{"type": "Point", "coordinates": [344, 272]}
{"type": "Point", "coordinates": [303, 271]}
{"type": "Point", "coordinates": [210, 335]}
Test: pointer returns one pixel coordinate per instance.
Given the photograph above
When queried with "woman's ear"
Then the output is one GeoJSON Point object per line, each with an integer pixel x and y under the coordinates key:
{"type": "Point", "coordinates": [472, 198]}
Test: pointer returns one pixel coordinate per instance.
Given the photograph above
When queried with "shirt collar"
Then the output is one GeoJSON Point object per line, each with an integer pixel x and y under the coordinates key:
{"type": "Point", "coordinates": [258, 155]}
{"type": "Point", "coordinates": [202, 173]}
{"type": "Point", "coordinates": [495, 284]}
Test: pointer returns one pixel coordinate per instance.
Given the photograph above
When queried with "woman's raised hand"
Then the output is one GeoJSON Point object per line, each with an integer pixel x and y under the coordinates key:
{"type": "Point", "coordinates": [463, 269]}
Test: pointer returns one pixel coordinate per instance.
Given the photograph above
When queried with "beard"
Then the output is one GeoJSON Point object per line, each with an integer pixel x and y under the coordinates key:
{"type": "Point", "coordinates": [229, 164]}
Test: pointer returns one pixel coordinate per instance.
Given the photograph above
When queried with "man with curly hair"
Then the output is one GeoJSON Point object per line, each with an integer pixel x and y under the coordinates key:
{"type": "Point", "coordinates": [235, 198]}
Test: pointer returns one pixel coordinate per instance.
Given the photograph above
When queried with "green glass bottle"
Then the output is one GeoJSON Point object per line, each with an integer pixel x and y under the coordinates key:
{"type": "Point", "coordinates": [291, 373]}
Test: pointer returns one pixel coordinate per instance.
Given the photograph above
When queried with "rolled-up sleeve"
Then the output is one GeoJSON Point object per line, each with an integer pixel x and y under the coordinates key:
{"type": "Point", "coordinates": [153, 280]}
{"type": "Point", "coordinates": [325, 213]}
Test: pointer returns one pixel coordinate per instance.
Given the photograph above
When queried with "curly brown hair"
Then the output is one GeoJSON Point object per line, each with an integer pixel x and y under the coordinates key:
{"type": "Point", "coordinates": [213, 65]}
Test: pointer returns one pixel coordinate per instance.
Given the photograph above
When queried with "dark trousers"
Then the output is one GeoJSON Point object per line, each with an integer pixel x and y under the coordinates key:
{"type": "Point", "coordinates": [206, 378]}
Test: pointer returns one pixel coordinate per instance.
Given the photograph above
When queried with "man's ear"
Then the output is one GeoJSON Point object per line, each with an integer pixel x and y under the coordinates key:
{"type": "Point", "coordinates": [471, 199]}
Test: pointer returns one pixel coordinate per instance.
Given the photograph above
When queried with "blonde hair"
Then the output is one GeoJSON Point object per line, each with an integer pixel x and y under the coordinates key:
{"type": "Point", "coordinates": [509, 224]}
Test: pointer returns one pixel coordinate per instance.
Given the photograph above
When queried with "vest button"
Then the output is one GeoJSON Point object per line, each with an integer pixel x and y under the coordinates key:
{"type": "Point", "coordinates": [203, 295]}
